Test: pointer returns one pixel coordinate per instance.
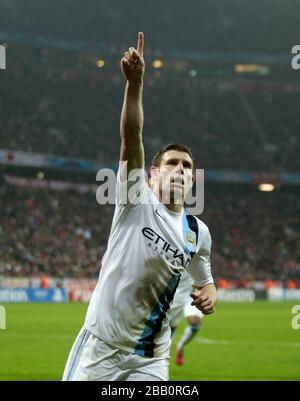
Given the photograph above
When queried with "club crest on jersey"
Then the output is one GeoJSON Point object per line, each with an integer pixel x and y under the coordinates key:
{"type": "Point", "coordinates": [190, 237]}
{"type": "Point", "coordinates": [190, 242]}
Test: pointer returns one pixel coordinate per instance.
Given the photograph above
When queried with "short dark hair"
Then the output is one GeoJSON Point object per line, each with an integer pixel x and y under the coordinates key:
{"type": "Point", "coordinates": [171, 146]}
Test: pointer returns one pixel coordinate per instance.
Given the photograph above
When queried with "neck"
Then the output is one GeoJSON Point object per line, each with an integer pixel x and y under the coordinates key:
{"type": "Point", "coordinates": [174, 207]}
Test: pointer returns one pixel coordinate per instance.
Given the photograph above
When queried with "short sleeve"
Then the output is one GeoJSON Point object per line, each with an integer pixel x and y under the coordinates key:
{"type": "Point", "coordinates": [200, 266]}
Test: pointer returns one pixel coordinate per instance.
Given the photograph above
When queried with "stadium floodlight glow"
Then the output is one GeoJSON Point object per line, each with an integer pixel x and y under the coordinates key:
{"type": "Point", "coordinates": [266, 187]}
{"type": "Point", "coordinates": [157, 63]}
{"type": "Point", "coordinates": [100, 63]}
{"type": "Point", "coordinates": [251, 68]}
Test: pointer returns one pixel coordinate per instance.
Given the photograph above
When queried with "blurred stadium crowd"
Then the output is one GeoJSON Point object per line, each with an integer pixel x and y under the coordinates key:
{"type": "Point", "coordinates": [208, 26]}
{"type": "Point", "coordinates": [64, 234]}
{"type": "Point", "coordinates": [59, 102]}
{"type": "Point", "coordinates": [246, 125]}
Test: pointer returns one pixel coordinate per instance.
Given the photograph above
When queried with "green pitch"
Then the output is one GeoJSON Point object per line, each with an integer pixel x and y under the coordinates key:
{"type": "Point", "coordinates": [239, 342]}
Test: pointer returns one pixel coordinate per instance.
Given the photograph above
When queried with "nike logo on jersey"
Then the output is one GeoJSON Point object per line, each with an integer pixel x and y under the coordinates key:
{"type": "Point", "coordinates": [160, 215]}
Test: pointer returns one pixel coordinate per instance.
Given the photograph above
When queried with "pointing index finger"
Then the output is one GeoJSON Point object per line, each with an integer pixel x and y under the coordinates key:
{"type": "Point", "coordinates": [140, 44]}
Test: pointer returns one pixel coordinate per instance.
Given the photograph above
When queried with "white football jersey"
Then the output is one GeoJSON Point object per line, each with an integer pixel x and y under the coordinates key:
{"type": "Point", "coordinates": [181, 304]}
{"type": "Point", "coordinates": [148, 248]}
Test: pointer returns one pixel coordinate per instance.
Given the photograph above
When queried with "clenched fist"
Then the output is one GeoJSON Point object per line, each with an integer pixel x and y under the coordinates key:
{"type": "Point", "coordinates": [203, 302]}
{"type": "Point", "coordinates": [132, 64]}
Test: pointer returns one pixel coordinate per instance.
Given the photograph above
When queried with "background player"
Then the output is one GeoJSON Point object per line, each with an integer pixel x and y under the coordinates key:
{"type": "Point", "coordinates": [182, 306]}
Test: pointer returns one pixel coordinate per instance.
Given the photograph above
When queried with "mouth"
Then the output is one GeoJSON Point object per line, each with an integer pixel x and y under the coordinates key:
{"type": "Point", "coordinates": [177, 181]}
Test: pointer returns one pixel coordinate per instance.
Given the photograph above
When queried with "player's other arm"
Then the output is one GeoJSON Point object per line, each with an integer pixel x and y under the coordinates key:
{"type": "Point", "coordinates": [205, 293]}
{"type": "Point", "coordinates": [205, 298]}
{"type": "Point", "coordinates": [132, 118]}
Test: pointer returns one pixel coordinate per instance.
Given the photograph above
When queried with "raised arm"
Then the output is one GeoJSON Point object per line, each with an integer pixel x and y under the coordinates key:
{"type": "Point", "coordinates": [132, 118]}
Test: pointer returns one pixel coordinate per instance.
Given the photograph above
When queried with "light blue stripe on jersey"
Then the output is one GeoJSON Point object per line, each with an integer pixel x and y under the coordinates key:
{"type": "Point", "coordinates": [77, 354]}
{"type": "Point", "coordinates": [145, 346]}
{"type": "Point", "coordinates": [187, 232]}
{"type": "Point", "coordinates": [185, 228]}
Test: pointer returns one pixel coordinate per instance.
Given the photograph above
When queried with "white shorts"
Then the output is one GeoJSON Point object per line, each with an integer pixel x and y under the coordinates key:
{"type": "Point", "coordinates": [190, 310]}
{"type": "Point", "coordinates": [187, 310]}
{"type": "Point", "coordinates": [91, 359]}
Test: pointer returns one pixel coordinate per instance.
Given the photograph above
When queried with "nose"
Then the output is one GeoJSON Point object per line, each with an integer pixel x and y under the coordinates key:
{"type": "Point", "coordinates": [180, 168]}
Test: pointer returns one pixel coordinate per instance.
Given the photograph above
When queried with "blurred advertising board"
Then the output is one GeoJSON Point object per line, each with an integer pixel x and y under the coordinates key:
{"type": "Point", "coordinates": [33, 295]}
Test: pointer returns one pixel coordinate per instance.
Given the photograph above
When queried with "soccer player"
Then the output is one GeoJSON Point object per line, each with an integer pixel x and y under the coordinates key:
{"type": "Point", "coordinates": [182, 306]}
{"type": "Point", "coordinates": [126, 333]}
